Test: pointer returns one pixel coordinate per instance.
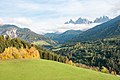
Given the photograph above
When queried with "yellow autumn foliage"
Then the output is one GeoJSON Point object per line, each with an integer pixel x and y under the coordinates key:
{"type": "Point", "coordinates": [104, 70]}
{"type": "Point", "coordinates": [70, 62]}
{"type": "Point", "coordinates": [22, 53]}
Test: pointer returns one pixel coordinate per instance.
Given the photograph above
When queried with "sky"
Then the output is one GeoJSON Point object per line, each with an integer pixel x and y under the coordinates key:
{"type": "Point", "coordinates": [44, 16]}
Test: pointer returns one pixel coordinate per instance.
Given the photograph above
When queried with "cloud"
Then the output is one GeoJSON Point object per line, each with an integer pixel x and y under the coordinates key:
{"type": "Point", "coordinates": [82, 27]}
{"type": "Point", "coordinates": [48, 27]}
{"type": "Point", "coordinates": [61, 8]}
{"type": "Point", "coordinates": [1, 21]}
{"type": "Point", "coordinates": [29, 6]}
{"type": "Point", "coordinates": [83, 8]}
{"type": "Point", "coordinates": [116, 8]}
{"type": "Point", "coordinates": [21, 20]}
{"type": "Point", "coordinates": [50, 15]}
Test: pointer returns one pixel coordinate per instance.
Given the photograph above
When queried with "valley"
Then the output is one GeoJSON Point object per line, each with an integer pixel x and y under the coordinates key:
{"type": "Point", "coordinates": [59, 40]}
{"type": "Point", "coordinates": [96, 47]}
{"type": "Point", "coordinates": [99, 52]}
{"type": "Point", "coordinates": [104, 52]}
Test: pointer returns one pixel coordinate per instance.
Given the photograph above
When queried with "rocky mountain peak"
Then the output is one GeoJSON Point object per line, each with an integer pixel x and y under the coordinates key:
{"type": "Point", "coordinates": [101, 19]}
{"type": "Point", "coordinates": [70, 22]}
{"type": "Point", "coordinates": [11, 32]}
{"type": "Point", "coordinates": [86, 21]}
{"type": "Point", "coordinates": [83, 21]}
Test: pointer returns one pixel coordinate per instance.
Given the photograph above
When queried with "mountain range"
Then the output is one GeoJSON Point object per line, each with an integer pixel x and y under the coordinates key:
{"type": "Point", "coordinates": [63, 37]}
{"type": "Point", "coordinates": [108, 29]}
{"type": "Point", "coordinates": [23, 33]}
{"type": "Point", "coordinates": [86, 21]}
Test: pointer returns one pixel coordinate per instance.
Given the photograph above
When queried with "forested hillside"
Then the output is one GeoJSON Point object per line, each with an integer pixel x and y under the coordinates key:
{"type": "Point", "coordinates": [19, 49]}
{"type": "Point", "coordinates": [63, 37]}
{"type": "Point", "coordinates": [99, 53]}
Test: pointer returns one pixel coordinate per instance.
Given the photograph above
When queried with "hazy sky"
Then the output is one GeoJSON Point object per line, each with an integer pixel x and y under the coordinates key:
{"type": "Point", "coordinates": [50, 15]}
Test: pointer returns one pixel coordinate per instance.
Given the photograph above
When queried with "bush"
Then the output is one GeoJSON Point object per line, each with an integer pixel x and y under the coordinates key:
{"type": "Point", "coordinates": [104, 70]}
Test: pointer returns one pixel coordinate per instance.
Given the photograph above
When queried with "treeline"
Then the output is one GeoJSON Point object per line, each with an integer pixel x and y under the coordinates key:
{"type": "Point", "coordinates": [104, 54]}
{"type": "Point", "coordinates": [103, 69]}
{"type": "Point", "coordinates": [48, 55]}
{"type": "Point", "coordinates": [17, 49]}
{"type": "Point", "coordinates": [6, 42]}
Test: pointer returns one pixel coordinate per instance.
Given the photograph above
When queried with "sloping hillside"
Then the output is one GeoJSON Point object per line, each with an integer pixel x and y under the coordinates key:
{"type": "Point", "coordinates": [19, 49]}
{"type": "Point", "coordinates": [23, 33]}
{"type": "Point", "coordinates": [105, 30]}
{"type": "Point", "coordinates": [99, 53]}
{"type": "Point", "coordinates": [64, 37]}
{"type": "Point", "coordinates": [47, 70]}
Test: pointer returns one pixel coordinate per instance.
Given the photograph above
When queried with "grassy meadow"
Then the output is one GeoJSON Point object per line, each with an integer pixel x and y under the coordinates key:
{"type": "Point", "coordinates": [47, 70]}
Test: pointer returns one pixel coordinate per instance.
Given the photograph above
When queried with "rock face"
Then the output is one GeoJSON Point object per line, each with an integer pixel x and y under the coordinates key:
{"type": "Point", "coordinates": [101, 19]}
{"type": "Point", "coordinates": [10, 31]}
{"type": "Point", "coordinates": [79, 21]}
{"type": "Point", "coordinates": [71, 21]}
{"type": "Point", "coordinates": [86, 21]}
{"type": "Point", "coordinates": [82, 21]}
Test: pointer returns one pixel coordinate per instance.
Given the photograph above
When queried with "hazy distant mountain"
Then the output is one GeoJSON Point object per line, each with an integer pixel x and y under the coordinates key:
{"type": "Point", "coordinates": [63, 37]}
{"type": "Point", "coordinates": [82, 21]}
{"type": "Point", "coordinates": [108, 29]}
{"type": "Point", "coordinates": [79, 21]}
{"type": "Point", "coordinates": [51, 35]}
{"type": "Point", "coordinates": [101, 19]}
{"type": "Point", "coordinates": [86, 21]}
{"type": "Point", "coordinates": [23, 33]}
{"type": "Point", "coordinates": [71, 21]}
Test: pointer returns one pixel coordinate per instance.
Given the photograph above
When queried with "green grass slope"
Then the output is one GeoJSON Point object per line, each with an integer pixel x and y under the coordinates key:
{"type": "Point", "coordinates": [47, 70]}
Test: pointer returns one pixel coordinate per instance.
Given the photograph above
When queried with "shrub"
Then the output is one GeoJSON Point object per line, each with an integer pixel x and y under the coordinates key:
{"type": "Point", "coordinates": [104, 70]}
